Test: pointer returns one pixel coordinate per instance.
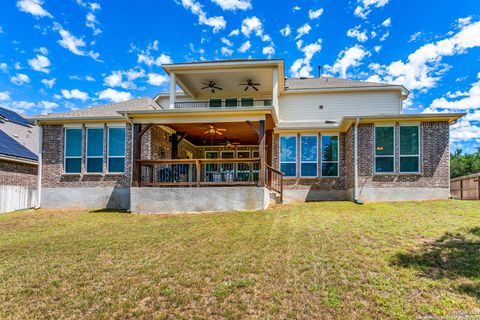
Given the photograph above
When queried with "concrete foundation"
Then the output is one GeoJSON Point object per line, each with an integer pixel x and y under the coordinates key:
{"type": "Point", "coordinates": [403, 194]}
{"type": "Point", "coordinates": [97, 197]}
{"type": "Point", "coordinates": [316, 195]}
{"type": "Point", "coordinates": [190, 200]}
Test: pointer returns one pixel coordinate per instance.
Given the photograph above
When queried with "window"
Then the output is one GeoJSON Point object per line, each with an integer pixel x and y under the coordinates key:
{"type": "Point", "coordinates": [247, 102]}
{"type": "Point", "coordinates": [116, 150]}
{"type": "Point", "coordinates": [308, 156]}
{"type": "Point", "coordinates": [215, 103]}
{"type": "Point", "coordinates": [95, 150]}
{"type": "Point", "coordinates": [73, 150]}
{"type": "Point", "coordinates": [227, 155]}
{"type": "Point", "coordinates": [384, 149]}
{"type": "Point", "coordinates": [243, 168]}
{"type": "Point", "coordinates": [409, 148]}
{"type": "Point", "coordinates": [231, 102]}
{"type": "Point", "coordinates": [329, 156]}
{"type": "Point", "coordinates": [288, 155]}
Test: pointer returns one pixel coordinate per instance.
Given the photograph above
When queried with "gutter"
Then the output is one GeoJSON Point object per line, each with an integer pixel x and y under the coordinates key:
{"type": "Point", "coordinates": [355, 163]}
{"type": "Point", "coordinates": [40, 165]}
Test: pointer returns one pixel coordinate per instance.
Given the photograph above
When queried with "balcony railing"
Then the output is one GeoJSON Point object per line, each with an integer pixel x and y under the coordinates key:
{"type": "Point", "coordinates": [227, 103]}
{"type": "Point", "coordinates": [198, 172]}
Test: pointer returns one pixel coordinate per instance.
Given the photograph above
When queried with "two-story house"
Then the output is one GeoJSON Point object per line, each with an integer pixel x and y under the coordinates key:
{"type": "Point", "coordinates": [235, 134]}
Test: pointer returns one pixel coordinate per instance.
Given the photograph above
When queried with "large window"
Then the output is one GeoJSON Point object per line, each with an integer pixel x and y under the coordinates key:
{"type": "Point", "coordinates": [308, 156]}
{"type": "Point", "coordinates": [94, 150]}
{"type": "Point", "coordinates": [73, 150]}
{"type": "Point", "coordinates": [116, 150]}
{"type": "Point", "coordinates": [409, 148]}
{"type": "Point", "coordinates": [288, 155]}
{"type": "Point", "coordinates": [384, 149]}
{"type": "Point", "coordinates": [329, 156]}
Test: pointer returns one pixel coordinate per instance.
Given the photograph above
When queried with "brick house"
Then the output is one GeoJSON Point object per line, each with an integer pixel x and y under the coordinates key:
{"type": "Point", "coordinates": [18, 162]}
{"type": "Point", "coordinates": [239, 135]}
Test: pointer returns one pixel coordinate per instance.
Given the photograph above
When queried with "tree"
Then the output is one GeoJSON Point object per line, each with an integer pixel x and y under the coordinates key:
{"type": "Point", "coordinates": [464, 164]}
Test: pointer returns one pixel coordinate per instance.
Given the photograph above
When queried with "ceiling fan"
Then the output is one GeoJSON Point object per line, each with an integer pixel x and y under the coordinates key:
{"type": "Point", "coordinates": [211, 85]}
{"type": "Point", "coordinates": [214, 130]}
{"type": "Point", "coordinates": [230, 144]}
{"type": "Point", "coordinates": [249, 84]}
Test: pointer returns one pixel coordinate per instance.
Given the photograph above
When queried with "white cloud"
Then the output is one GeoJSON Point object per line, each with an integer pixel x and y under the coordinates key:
{"type": "Point", "coordinates": [348, 58]}
{"type": "Point", "coordinates": [387, 22]}
{"type": "Point", "coordinates": [74, 94]}
{"type": "Point", "coordinates": [302, 66]}
{"type": "Point", "coordinates": [114, 95]}
{"type": "Point", "coordinates": [40, 63]}
{"type": "Point", "coordinates": [245, 47]}
{"type": "Point", "coordinates": [34, 7]}
{"type": "Point", "coordinates": [250, 25]}
{"type": "Point", "coordinates": [226, 42]}
{"type": "Point", "coordinates": [469, 100]}
{"type": "Point", "coordinates": [296, 8]}
{"type": "Point", "coordinates": [234, 4]}
{"type": "Point", "coordinates": [268, 51]}
{"type": "Point", "coordinates": [303, 30]}
{"type": "Point", "coordinates": [116, 78]}
{"type": "Point", "coordinates": [42, 50]}
{"type": "Point", "coordinates": [49, 83]}
{"type": "Point", "coordinates": [414, 36]}
{"type": "Point", "coordinates": [47, 106]}
{"type": "Point", "coordinates": [17, 66]}
{"type": "Point", "coordinates": [363, 8]}
{"type": "Point", "coordinates": [377, 48]}
{"type": "Point", "coordinates": [73, 44]}
{"type": "Point", "coordinates": [89, 78]}
{"type": "Point", "coordinates": [20, 79]}
{"type": "Point", "coordinates": [156, 79]}
{"type": "Point", "coordinates": [90, 19]}
{"type": "Point", "coordinates": [384, 36]}
{"type": "Point", "coordinates": [361, 36]}
{"type": "Point", "coordinates": [3, 67]}
{"type": "Point", "coordinates": [424, 68]}
{"type": "Point", "coordinates": [145, 56]}
{"type": "Point", "coordinates": [226, 51]}
{"type": "Point", "coordinates": [286, 31]}
{"type": "Point", "coordinates": [5, 95]}
{"type": "Point", "coordinates": [217, 23]}
{"type": "Point", "coordinates": [315, 14]}
{"type": "Point", "coordinates": [234, 32]}
{"type": "Point", "coordinates": [1, 29]}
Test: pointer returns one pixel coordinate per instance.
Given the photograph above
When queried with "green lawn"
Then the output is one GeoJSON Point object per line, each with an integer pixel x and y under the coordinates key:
{"type": "Point", "coordinates": [315, 260]}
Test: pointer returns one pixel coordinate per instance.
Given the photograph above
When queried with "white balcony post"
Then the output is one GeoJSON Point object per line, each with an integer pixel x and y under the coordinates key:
{"type": "Point", "coordinates": [173, 88]}
{"type": "Point", "coordinates": [275, 90]}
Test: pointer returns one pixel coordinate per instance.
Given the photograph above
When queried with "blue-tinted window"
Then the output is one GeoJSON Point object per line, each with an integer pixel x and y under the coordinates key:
{"type": "Point", "coordinates": [73, 150]}
{"type": "Point", "coordinates": [116, 149]}
{"type": "Point", "coordinates": [95, 150]}
{"type": "Point", "coordinates": [288, 155]}
{"type": "Point", "coordinates": [329, 156]}
{"type": "Point", "coordinates": [409, 149]}
{"type": "Point", "coordinates": [308, 156]}
{"type": "Point", "coordinates": [384, 149]}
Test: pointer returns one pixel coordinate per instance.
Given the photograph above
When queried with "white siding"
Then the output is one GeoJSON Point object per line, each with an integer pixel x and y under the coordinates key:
{"type": "Point", "coordinates": [305, 106]}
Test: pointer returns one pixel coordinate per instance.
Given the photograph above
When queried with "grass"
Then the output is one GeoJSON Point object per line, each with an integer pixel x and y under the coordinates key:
{"type": "Point", "coordinates": [316, 260]}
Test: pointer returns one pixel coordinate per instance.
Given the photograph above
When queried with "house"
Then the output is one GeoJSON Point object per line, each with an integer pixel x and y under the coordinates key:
{"type": "Point", "coordinates": [18, 162]}
{"type": "Point", "coordinates": [236, 135]}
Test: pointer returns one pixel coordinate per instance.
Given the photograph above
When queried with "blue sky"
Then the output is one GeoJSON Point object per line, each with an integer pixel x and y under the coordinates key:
{"type": "Point", "coordinates": [63, 55]}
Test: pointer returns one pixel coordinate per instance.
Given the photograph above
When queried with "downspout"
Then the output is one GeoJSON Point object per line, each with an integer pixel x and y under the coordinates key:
{"type": "Point", "coordinates": [39, 165]}
{"type": "Point", "coordinates": [355, 162]}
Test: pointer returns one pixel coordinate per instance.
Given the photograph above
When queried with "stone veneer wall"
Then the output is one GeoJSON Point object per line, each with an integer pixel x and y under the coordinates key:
{"type": "Point", "coordinates": [156, 145]}
{"type": "Point", "coordinates": [18, 174]}
{"type": "Point", "coordinates": [53, 175]}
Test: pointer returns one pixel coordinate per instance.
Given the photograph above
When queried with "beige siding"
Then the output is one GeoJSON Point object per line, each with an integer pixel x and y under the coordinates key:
{"type": "Point", "coordinates": [305, 106]}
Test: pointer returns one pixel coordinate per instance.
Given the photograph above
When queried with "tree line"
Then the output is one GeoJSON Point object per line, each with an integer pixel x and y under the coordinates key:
{"type": "Point", "coordinates": [462, 164]}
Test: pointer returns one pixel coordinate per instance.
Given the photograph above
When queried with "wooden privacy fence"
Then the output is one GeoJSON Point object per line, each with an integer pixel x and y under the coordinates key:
{"type": "Point", "coordinates": [17, 198]}
{"type": "Point", "coordinates": [466, 187]}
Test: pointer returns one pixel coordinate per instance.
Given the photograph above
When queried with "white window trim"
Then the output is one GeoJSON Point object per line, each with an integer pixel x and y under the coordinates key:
{"type": "Point", "coordinates": [280, 154]}
{"type": "Point", "coordinates": [86, 148]}
{"type": "Point", "coordinates": [116, 157]}
{"type": "Point", "coordinates": [338, 154]}
{"type": "Point", "coordinates": [300, 158]}
{"type": "Point", "coordinates": [66, 127]}
{"type": "Point", "coordinates": [375, 156]}
{"type": "Point", "coordinates": [409, 155]}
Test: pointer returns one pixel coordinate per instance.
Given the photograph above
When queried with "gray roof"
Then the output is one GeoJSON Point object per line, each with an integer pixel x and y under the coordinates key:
{"type": "Point", "coordinates": [107, 110]}
{"type": "Point", "coordinates": [330, 83]}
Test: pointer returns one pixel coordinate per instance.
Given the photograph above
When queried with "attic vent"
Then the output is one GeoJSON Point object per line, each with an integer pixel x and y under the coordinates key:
{"type": "Point", "coordinates": [330, 121]}
{"type": "Point", "coordinates": [303, 78]}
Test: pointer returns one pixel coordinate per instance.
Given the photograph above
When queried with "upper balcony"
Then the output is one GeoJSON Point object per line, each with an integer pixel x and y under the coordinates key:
{"type": "Point", "coordinates": [224, 103]}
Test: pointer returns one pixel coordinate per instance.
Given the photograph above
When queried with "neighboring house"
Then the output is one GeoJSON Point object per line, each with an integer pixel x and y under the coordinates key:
{"type": "Point", "coordinates": [18, 162]}
{"type": "Point", "coordinates": [238, 133]}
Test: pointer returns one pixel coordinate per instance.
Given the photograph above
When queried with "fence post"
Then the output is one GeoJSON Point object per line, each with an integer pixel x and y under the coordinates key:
{"type": "Point", "coordinates": [199, 173]}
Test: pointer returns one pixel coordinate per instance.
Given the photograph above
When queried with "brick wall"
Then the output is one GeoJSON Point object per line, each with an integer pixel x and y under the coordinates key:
{"type": "Point", "coordinates": [18, 174]}
{"type": "Point", "coordinates": [53, 172]}
{"type": "Point", "coordinates": [434, 159]}
{"type": "Point", "coordinates": [156, 145]}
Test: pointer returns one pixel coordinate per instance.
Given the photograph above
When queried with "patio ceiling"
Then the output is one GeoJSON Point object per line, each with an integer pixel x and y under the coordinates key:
{"type": "Point", "coordinates": [235, 131]}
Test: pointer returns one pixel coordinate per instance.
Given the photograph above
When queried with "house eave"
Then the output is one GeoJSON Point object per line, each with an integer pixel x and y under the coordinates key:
{"type": "Point", "coordinates": [18, 160]}
{"type": "Point", "coordinates": [402, 89]}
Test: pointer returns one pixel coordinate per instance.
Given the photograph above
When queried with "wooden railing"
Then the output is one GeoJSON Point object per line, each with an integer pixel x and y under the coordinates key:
{"type": "Point", "coordinates": [222, 104]}
{"type": "Point", "coordinates": [274, 180]}
{"type": "Point", "coordinates": [198, 172]}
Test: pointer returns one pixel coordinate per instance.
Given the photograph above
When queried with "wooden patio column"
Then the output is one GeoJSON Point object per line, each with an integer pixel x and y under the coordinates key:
{"type": "Point", "coordinates": [261, 153]}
